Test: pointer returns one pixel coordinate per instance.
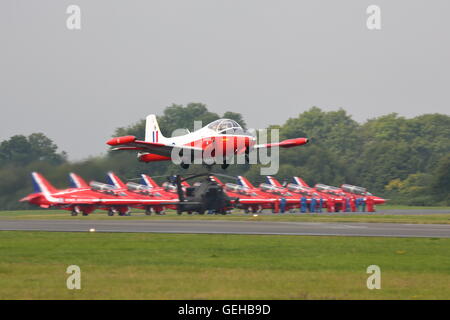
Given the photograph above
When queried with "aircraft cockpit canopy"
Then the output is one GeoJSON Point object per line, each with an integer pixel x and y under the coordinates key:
{"type": "Point", "coordinates": [103, 187]}
{"type": "Point", "coordinates": [329, 189]}
{"type": "Point", "coordinates": [355, 190]}
{"type": "Point", "coordinates": [226, 126]}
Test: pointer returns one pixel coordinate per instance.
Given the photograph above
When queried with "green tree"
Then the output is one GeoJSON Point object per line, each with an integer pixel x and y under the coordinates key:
{"type": "Point", "coordinates": [334, 130]}
{"type": "Point", "coordinates": [22, 150]}
{"type": "Point", "coordinates": [441, 180]}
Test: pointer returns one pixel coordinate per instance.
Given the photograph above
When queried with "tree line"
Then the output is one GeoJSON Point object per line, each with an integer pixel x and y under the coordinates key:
{"type": "Point", "coordinates": [405, 160]}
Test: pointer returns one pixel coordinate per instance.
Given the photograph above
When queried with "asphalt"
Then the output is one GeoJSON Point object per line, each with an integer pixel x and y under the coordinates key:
{"type": "Point", "coordinates": [234, 227]}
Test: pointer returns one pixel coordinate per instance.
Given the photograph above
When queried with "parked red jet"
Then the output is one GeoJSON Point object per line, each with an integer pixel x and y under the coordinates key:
{"type": "Point", "coordinates": [278, 191]}
{"type": "Point", "coordinates": [167, 188]}
{"type": "Point", "coordinates": [274, 194]}
{"type": "Point", "coordinates": [72, 199]}
{"type": "Point", "coordinates": [248, 200]}
{"type": "Point", "coordinates": [360, 191]}
{"type": "Point", "coordinates": [298, 191]}
{"type": "Point", "coordinates": [222, 138]}
{"type": "Point", "coordinates": [113, 200]}
{"type": "Point", "coordinates": [340, 195]}
{"type": "Point", "coordinates": [146, 197]}
{"type": "Point", "coordinates": [301, 187]}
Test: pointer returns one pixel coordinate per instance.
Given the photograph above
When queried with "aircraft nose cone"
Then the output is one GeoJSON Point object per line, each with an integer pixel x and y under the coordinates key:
{"type": "Point", "coordinates": [379, 200]}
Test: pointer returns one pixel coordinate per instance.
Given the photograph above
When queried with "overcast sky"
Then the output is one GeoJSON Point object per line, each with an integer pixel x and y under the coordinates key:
{"type": "Point", "coordinates": [268, 59]}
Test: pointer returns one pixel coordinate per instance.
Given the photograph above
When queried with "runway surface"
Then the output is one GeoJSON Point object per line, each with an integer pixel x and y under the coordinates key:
{"type": "Point", "coordinates": [234, 227]}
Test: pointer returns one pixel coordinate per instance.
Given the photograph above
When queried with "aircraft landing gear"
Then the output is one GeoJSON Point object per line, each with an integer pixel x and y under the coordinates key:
{"type": "Point", "coordinates": [247, 156]}
{"type": "Point", "coordinates": [110, 212]}
{"type": "Point", "coordinates": [225, 165]}
{"type": "Point", "coordinates": [75, 211]}
{"type": "Point", "coordinates": [148, 211]}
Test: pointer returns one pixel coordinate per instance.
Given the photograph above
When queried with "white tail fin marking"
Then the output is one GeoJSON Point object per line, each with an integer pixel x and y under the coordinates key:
{"type": "Point", "coordinates": [152, 131]}
{"type": "Point", "coordinates": [274, 182]}
{"type": "Point", "coordinates": [243, 181]}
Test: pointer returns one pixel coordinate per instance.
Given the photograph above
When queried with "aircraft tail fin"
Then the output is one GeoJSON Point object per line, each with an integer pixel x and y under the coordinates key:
{"type": "Point", "coordinates": [244, 182]}
{"type": "Point", "coordinates": [152, 131]}
{"type": "Point", "coordinates": [148, 181]}
{"type": "Point", "coordinates": [216, 180]}
{"type": "Point", "coordinates": [115, 181]}
{"type": "Point", "coordinates": [76, 181]}
{"type": "Point", "coordinates": [41, 184]}
{"type": "Point", "coordinates": [301, 182]}
{"type": "Point", "coordinates": [274, 182]}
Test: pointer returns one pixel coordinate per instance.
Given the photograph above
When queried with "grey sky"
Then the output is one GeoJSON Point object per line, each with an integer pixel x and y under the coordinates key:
{"type": "Point", "coordinates": [269, 60]}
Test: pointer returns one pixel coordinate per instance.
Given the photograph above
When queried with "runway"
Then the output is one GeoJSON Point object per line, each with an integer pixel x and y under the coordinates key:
{"type": "Point", "coordinates": [234, 227]}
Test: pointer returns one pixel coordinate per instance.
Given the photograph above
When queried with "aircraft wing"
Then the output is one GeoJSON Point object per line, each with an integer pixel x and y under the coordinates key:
{"type": "Point", "coordinates": [289, 143]}
{"type": "Point", "coordinates": [131, 143]}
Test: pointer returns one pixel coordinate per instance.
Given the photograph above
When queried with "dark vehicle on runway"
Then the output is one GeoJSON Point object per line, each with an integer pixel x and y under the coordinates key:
{"type": "Point", "coordinates": [207, 196]}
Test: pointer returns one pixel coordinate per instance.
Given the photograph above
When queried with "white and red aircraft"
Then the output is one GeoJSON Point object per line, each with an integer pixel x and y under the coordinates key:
{"type": "Point", "coordinates": [221, 139]}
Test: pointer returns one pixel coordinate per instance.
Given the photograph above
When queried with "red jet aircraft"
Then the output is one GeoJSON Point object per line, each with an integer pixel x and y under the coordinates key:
{"type": "Point", "coordinates": [360, 191]}
{"type": "Point", "coordinates": [84, 198]}
{"type": "Point", "coordinates": [221, 139]}
{"type": "Point", "coordinates": [248, 200]}
{"type": "Point", "coordinates": [166, 188]}
{"type": "Point", "coordinates": [274, 193]}
{"type": "Point", "coordinates": [114, 201]}
{"type": "Point", "coordinates": [147, 198]}
{"type": "Point", "coordinates": [76, 200]}
{"type": "Point", "coordinates": [299, 191]}
{"type": "Point", "coordinates": [301, 187]}
{"type": "Point", "coordinates": [339, 195]}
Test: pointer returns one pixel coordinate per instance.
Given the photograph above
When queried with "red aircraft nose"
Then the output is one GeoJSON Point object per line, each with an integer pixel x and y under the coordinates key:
{"type": "Point", "coordinates": [378, 200]}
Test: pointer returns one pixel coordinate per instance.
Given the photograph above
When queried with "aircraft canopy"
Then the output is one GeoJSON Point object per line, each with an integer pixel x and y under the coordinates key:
{"type": "Point", "coordinates": [226, 126]}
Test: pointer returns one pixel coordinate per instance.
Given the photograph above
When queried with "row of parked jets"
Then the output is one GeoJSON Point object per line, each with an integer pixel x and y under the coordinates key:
{"type": "Point", "coordinates": [119, 197]}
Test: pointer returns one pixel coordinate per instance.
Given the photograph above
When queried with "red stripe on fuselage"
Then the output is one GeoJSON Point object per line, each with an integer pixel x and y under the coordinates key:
{"type": "Point", "coordinates": [225, 145]}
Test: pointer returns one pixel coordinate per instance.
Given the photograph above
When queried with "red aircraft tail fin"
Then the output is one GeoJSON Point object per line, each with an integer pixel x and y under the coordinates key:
{"type": "Point", "coordinates": [244, 182]}
{"type": "Point", "coordinates": [115, 181]}
{"type": "Point", "coordinates": [300, 182]}
{"type": "Point", "coordinates": [216, 180]}
{"type": "Point", "coordinates": [273, 181]}
{"type": "Point", "coordinates": [41, 184]}
{"type": "Point", "coordinates": [76, 181]}
{"type": "Point", "coordinates": [148, 181]}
